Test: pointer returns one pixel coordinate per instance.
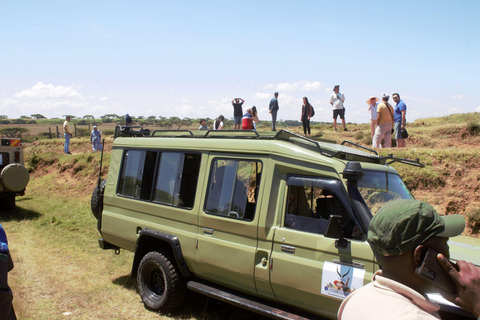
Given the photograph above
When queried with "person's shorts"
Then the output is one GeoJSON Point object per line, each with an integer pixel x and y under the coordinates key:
{"type": "Point", "coordinates": [237, 120]}
{"type": "Point", "coordinates": [339, 112]}
{"type": "Point", "coordinates": [398, 130]}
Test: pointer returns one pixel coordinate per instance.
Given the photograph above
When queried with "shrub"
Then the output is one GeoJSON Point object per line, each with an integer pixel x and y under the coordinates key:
{"type": "Point", "coordinates": [473, 128]}
{"type": "Point", "coordinates": [473, 217]}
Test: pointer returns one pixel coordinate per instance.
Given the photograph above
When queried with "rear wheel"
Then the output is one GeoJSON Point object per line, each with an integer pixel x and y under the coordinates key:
{"type": "Point", "coordinates": [160, 283]}
{"type": "Point", "coordinates": [8, 202]}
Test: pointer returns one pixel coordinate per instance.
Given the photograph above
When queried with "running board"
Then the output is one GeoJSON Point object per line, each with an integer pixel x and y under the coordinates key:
{"type": "Point", "coordinates": [244, 301]}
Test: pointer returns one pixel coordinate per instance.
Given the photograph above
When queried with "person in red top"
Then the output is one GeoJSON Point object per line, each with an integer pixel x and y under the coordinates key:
{"type": "Point", "coordinates": [247, 120]}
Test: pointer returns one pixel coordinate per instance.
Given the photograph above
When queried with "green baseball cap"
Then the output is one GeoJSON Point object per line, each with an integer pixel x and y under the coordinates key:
{"type": "Point", "coordinates": [402, 225]}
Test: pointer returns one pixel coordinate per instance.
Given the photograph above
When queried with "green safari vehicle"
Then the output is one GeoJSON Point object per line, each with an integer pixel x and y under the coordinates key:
{"type": "Point", "coordinates": [272, 222]}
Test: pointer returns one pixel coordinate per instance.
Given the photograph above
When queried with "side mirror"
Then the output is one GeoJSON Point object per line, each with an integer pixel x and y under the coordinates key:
{"type": "Point", "coordinates": [334, 227]}
{"type": "Point", "coordinates": [334, 230]}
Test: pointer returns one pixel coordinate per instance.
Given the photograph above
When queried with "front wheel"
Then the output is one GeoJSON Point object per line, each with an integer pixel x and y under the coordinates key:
{"type": "Point", "coordinates": [160, 283]}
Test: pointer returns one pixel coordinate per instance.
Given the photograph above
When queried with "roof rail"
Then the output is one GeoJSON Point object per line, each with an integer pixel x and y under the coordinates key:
{"type": "Point", "coordinates": [168, 133]}
{"type": "Point", "coordinates": [360, 146]}
{"type": "Point", "coordinates": [249, 133]}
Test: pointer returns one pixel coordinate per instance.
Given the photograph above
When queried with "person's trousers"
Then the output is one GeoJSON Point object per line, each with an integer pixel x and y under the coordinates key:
{"type": "Point", "coordinates": [306, 125]}
{"type": "Point", "coordinates": [274, 119]}
{"type": "Point", "coordinates": [66, 148]}
{"type": "Point", "coordinates": [383, 131]}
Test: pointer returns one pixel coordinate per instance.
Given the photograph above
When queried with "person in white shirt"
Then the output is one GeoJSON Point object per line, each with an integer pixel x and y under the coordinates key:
{"type": "Point", "coordinates": [336, 100]}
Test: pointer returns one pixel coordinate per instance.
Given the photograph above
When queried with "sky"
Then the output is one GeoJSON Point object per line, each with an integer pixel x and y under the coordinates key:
{"type": "Point", "coordinates": [192, 58]}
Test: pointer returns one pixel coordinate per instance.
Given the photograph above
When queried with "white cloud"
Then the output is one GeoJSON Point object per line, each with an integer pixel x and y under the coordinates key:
{"type": "Point", "coordinates": [304, 85]}
{"type": "Point", "coordinates": [457, 96]}
{"type": "Point", "coordinates": [478, 109]}
{"type": "Point", "coordinates": [262, 95]}
{"type": "Point", "coordinates": [99, 30]}
{"type": "Point", "coordinates": [454, 110]}
{"type": "Point", "coordinates": [46, 91]}
{"type": "Point", "coordinates": [103, 99]}
{"type": "Point", "coordinates": [182, 100]}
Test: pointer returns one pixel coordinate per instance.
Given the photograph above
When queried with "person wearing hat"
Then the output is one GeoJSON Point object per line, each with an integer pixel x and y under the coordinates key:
{"type": "Point", "coordinates": [400, 233]}
{"type": "Point", "coordinates": [96, 139]}
{"type": "Point", "coordinates": [384, 124]}
{"type": "Point", "coordinates": [372, 107]}
{"type": "Point", "coordinates": [336, 100]}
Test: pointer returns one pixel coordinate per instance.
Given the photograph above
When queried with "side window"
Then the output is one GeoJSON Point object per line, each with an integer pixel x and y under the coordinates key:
{"type": "Point", "coordinates": [310, 203]}
{"type": "Point", "coordinates": [233, 188]}
{"type": "Point", "coordinates": [164, 177]}
{"type": "Point", "coordinates": [4, 159]}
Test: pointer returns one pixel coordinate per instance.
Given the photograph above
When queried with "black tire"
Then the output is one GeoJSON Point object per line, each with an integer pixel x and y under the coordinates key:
{"type": "Point", "coordinates": [8, 202]}
{"type": "Point", "coordinates": [97, 200]}
{"type": "Point", "coordinates": [160, 283]}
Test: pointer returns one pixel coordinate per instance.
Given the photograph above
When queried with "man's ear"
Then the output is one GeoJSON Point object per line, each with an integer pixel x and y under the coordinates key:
{"type": "Point", "coordinates": [419, 254]}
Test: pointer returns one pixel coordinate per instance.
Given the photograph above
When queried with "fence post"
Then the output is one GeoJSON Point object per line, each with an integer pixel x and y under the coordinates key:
{"type": "Point", "coordinates": [57, 133]}
{"type": "Point", "coordinates": [50, 132]}
{"type": "Point", "coordinates": [75, 125]}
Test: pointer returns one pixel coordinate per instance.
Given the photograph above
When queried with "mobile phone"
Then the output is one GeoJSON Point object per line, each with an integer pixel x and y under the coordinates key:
{"type": "Point", "coordinates": [431, 270]}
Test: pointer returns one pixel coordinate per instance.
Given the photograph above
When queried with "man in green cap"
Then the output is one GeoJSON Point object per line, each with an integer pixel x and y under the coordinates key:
{"type": "Point", "coordinates": [400, 233]}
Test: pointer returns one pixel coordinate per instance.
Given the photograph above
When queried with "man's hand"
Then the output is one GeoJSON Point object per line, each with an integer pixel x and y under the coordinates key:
{"type": "Point", "coordinates": [467, 280]}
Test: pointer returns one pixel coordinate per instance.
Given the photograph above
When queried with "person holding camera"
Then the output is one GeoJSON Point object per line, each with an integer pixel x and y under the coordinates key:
{"type": "Point", "coordinates": [384, 124]}
{"type": "Point", "coordinates": [237, 113]}
{"type": "Point", "coordinates": [401, 234]}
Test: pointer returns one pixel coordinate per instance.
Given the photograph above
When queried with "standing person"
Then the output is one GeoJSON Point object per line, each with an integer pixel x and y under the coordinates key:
{"type": "Point", "coordinates": [372, 107]}
{"type": "Point", "coordinates": [128, 120]}
{"type": "Point", "coordinates": [273, 109]}
{"type": "Point", "coordinates": [68, 135]}
{"type": "Point", "coordinates": [96, 139]}
{"type": "Point", "coordinates": [384, 124]}
{"type": "Point", "coordinates": [203, 125]}
{"type": "Point", "coordinates": [336, 100]}
{"type": "Point", "coordinates": [400, 233]}
{"type": "Point", "coordinates": [237, 113]}
{"type": "Point", "coordinates": [247, 120]}
{"type": "Point", "coordinates": [218, 125]}
{"type": "Point", "coordinates": [307, 113]}
{"type": "Point", "coordinates": [400, 120]}
{"type": "Point", "coordinates": [255, 117]}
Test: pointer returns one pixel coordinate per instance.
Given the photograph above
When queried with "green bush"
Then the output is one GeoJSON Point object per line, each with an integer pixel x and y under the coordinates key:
{"type": "Point", "coordinates": [473, 128]}
{"type": "Point", "coordinates": [473, 217]}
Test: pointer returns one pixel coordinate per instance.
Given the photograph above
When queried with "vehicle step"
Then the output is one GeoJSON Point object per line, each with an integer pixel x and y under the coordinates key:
{"type": "Point", "coordinates": [264, 308]}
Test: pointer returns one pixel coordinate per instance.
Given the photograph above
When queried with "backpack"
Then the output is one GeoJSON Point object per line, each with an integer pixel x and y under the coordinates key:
{"type": "Point", "coordinates": [313, 111]}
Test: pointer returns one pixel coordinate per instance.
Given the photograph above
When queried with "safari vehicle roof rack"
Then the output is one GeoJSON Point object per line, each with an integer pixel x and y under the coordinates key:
{"type": "Point", "coordinates": [131, 131]}
{"type": "Point", "coordinates": [329, 148]}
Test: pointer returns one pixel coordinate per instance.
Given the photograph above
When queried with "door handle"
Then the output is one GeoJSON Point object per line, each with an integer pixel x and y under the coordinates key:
{"type": "Point", "coordinates": [208, 231]}
{"type": "Point", "coordinates": [287, 249]}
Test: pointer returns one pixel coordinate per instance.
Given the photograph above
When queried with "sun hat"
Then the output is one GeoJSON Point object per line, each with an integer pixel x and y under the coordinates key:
{"type": "Point", "coordinates": [402, 225]}
{"type": "Point", "coordinates": [372, 97]}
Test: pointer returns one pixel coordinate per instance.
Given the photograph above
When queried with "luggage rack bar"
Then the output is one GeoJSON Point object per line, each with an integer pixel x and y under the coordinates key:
{"type": "Point", "coordinates": [284, 135]}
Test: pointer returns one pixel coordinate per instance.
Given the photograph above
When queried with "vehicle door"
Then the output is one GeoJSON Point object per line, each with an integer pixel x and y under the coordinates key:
{"type": "Point", "coordinates": [309, 270]}
{"type": "Point", "coordinates": [227, 233]}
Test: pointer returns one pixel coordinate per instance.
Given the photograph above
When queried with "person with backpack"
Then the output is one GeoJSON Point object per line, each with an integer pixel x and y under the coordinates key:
{"type": "Point", "coordinates": [307, 113]}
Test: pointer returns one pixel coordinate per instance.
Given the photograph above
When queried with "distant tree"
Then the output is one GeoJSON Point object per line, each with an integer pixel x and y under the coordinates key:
{"type": "Point", "coordinates": [38, 116]}
{"type": "Point", "coordinates": [3, 116]}
{"type": "Point", "coordinates": [88, 117]}
{"type": "Point", "coordinates": [25, 117]}
{"type": "Point", "coordinates": [140, 117]}
{"type": "Point", "coordinates": [176, 121]}
{"type": "Point", "coordinates": [68, 115]}
{"type": "Point", "coordinates": [109, 117]}
{"type": "Point", "coordinates": [13, 132]}
{"type": "Point", "coordinates": [151, 119]}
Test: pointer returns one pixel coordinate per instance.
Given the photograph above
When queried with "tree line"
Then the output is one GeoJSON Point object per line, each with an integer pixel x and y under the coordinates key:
{"type": "Point", "coordinates": [175, 123]}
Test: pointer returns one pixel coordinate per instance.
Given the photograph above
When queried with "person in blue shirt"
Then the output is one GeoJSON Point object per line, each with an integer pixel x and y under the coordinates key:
{"type": "Point", "coordinates": [96, 138]}
{"type": "Point", "coordinates": [273, 109]}
{"type": "Point", "coordinates": [400, 113]}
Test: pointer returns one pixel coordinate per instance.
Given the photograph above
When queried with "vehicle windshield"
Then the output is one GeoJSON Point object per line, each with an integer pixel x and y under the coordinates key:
{"type": "Point", "coordinates": [378, 188]}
